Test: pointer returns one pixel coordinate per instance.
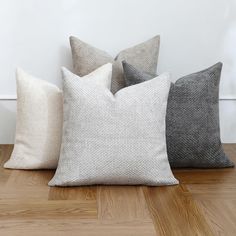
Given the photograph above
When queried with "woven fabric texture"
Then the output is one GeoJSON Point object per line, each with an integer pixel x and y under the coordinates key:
{"type": "Point", "coordinates": [39, 120]}
{"type": "Point", "coordinates": [38, 124]}
{"type": "Point", "coordinates": [87, 58]}
{"type": "Point", "coordinates": [192, 121]}
{"type": "Point", "coordinates": [114, 139]}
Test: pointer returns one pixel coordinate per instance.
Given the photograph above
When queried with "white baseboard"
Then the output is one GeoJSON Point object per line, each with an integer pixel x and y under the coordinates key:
{"type": "Point", "coordinates": [8, 97]}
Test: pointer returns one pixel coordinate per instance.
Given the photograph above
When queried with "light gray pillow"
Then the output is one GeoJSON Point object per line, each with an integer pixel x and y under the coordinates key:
{"type": "Point", "coordinates": [113, 139]}
{"type": "Point", "coordinates": [192, 121]}
{"type": "Point", "coordinates": [87, 58]}
{"type": "Point", "coordinates": [39, 119]}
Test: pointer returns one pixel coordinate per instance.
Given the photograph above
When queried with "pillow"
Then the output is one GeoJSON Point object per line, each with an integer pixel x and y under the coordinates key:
{"type": "Point", "coordinates": [192, 121]}
{"type": "Point", "coordinates": [39, 120]}
{"type": "Point", "coordinates": [114, 139]}
{"type": "Point", "coordinates": [87, 58]}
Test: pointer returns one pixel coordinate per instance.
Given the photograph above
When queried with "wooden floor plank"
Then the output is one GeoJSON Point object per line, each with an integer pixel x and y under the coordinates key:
{"type": "Point", "coordinates": [26, 193]}
{"type": "Point", "coordinates": [44, 209]}
{"type": "Point", "coordinates": [220, 214]}
{"type": "Point", "coordinates": [213, 191]}
{"type": "Point", "coordinates": [5, 152]}
{"type": "Point", "coordinates": [121, 203]}
{"type": "Point", "coordinates": [64, 227]}
{"type": "Point", "coordinates": [174, 212]}
{"type": "Point", "coordinates": [26, 178]}
{"type": "Point", "coordinates": [206, 176]}
{"type": "Point", "coordinates": [73, 193]}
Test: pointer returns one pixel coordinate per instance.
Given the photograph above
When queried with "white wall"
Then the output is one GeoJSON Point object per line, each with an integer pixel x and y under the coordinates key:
{"type": "Point", "coordinates": [194, 34]}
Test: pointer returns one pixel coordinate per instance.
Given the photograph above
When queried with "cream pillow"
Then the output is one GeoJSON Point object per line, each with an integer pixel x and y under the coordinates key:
{"type": "Point", "coordinates": [114, 139]}
{"type": "Point", "coordinates": [39, 120]}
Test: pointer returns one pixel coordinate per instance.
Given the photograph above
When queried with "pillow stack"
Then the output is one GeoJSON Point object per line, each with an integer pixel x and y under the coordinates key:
{"type": "Point", "coordinates": [105, 131]}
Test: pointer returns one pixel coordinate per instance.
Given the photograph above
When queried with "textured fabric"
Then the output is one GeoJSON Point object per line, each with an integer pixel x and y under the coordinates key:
{"type": "Point", "coordinates": [192, 121]}
{"type": "Point", "coordinates": [114, 139]}
{"type": "Point", "coordinates": [87, 58]}
{"type": "Point", "coordinates": [39, 120]}
{"type": "Point", "coordinates": [134, 76]}
{"type": "Point", "coordinates": [38, 129]}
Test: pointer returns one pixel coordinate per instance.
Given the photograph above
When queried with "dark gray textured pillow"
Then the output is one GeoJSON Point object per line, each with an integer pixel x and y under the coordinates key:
{"type": "Point", "coordinates": [192, 120]}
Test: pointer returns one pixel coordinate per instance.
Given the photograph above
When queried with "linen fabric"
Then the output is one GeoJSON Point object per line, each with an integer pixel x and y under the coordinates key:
{"type": "Point", "coordinates": [40, 119]}
{"type": "Point", "coordinates": [134, 76]}
{"type": "Point", "coordinates": [87, 58]}
{"type": "Point", "coordinates": [192, 120]}
{"type": "Point", "coordinates": [114, 139]}
{"type": "Point", "coordinates": [38, 124]}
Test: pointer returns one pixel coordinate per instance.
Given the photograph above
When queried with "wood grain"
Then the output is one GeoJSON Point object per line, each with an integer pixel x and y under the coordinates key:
{"type": "Point", "coordinates": [220, 214]}
{"type": "Point", "coordinates": [122, 203]}
{"type": "Point", "coordinates": [174, 212]}
{"type": "Point", "coordinates": [61, 227]}
{"type": "Point", "coordinates": [203, 204]}
{"type": "Point", "coordinates": [73, 193]}
{"type": "Point", "coordinates": [5, 152]}
{"type": "Point", "coordinates": [44, 209]}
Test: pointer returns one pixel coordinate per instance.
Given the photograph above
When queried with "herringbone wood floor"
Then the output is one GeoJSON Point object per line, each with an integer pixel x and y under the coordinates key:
{"type": "Point", "coordinates": [203, 204]}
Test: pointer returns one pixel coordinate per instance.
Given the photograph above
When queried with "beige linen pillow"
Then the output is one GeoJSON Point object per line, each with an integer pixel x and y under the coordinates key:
{"type": "Point", "coordinates": [87, 58]}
